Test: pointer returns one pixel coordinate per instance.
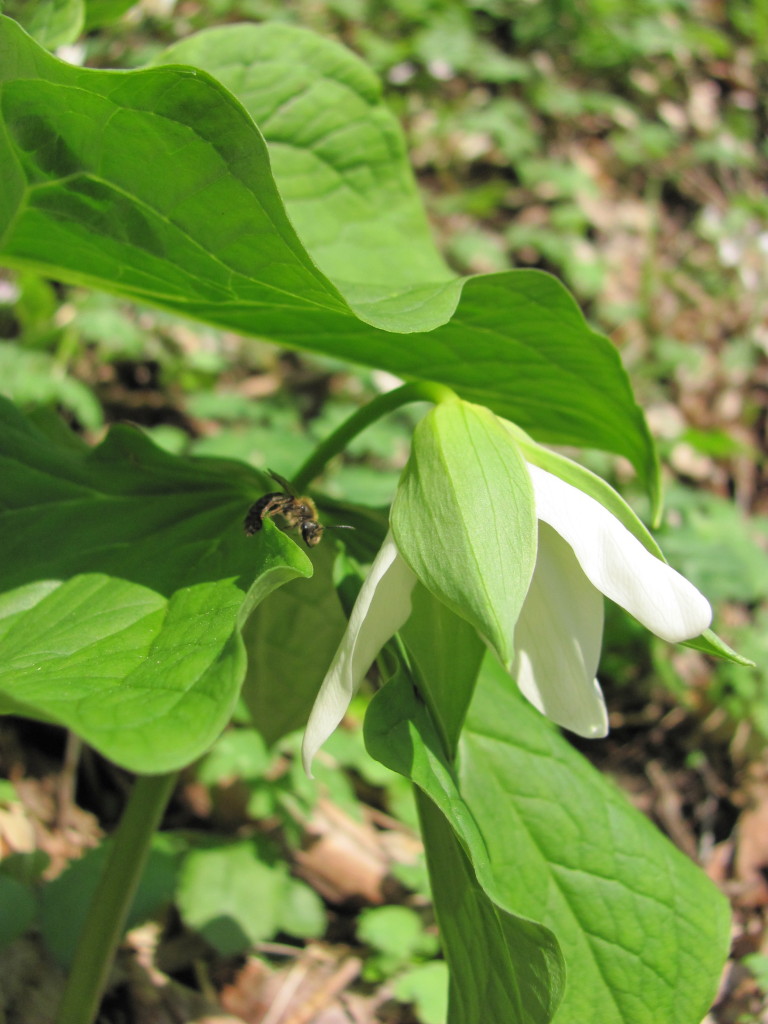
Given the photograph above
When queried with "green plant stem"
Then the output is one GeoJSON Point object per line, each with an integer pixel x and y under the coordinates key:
{"type": "Point", "coordinates": [422, 391]}
{"type": "Point", "coordinates": [112, 900]}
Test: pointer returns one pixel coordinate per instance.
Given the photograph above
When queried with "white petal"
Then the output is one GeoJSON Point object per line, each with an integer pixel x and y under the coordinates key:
{"type": "Point", "coordinates": [382, 607]}
{"type": "Point", "coordinates": [558, 639]}
{"type": "Point", "coordinates": [617, 563]}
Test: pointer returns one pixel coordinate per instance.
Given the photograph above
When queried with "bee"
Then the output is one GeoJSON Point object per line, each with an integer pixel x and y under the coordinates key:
{"type": "Point", "coordinates": [299, 513]}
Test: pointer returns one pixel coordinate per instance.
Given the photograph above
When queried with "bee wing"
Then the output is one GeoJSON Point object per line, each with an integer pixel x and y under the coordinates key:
{"type": "Point", "coordinates": [282, 481]}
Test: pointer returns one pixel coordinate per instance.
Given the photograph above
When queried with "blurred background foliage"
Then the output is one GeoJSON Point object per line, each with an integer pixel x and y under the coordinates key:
{"type": "Point", "coordinates": [619, 144]}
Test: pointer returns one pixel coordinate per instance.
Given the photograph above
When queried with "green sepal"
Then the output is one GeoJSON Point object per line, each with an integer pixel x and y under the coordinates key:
{"type": "Point", "coordinates": [710, 643]}
{"type": "Point", "coordinates": [465, 521]}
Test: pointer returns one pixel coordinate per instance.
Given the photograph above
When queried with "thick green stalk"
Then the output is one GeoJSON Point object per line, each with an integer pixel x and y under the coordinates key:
{"type": "Point", "coordinates": [423, 391]}
{"type": "Point", "coordinates": [129, 848]}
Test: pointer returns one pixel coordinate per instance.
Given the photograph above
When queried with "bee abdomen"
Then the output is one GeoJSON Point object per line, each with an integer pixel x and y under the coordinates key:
{"type": "Point", "coordinates": [259, 510]}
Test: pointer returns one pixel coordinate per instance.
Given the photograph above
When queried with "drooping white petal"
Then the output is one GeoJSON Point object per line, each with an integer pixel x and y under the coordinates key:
{"type": "Point", "coordinates": [382, 607]}
{"type": "Point", "coordinates": [558, 639]}
{"type": "Point", "coordinates": [618, 564]}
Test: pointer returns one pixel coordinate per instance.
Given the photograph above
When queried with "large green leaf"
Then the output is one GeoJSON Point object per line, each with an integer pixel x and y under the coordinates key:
{"type": "Point", "coordinates": [643, 930]}
{"type": "Point", "coordinates": [52, 22]}
{"type": "Point", "coordinates": [126, 581]}
{"type": "Point", "coordinates": [337, 155]}
{"type": "Point", "coordinates": [157, 184]}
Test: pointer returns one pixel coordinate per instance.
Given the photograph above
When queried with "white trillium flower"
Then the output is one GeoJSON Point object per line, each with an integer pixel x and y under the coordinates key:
{"type": "Point", "coordinates": [584, 552]}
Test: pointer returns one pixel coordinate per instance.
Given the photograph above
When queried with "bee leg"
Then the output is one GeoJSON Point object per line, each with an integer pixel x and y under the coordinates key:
{"type": "Point", "coordinates": [266, 507]}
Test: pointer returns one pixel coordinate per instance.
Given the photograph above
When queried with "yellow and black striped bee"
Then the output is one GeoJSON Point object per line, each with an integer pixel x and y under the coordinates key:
{"type": "Point", "coordinates": [299, 513]}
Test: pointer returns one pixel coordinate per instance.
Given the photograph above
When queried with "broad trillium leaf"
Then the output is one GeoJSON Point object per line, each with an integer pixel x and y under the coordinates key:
{"type": "Point", "coordinates": [643, 931]}
{"type": "Point", "coordinates": [158, 185]}
{"type": "Point", "coordinates": [127, 581]}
